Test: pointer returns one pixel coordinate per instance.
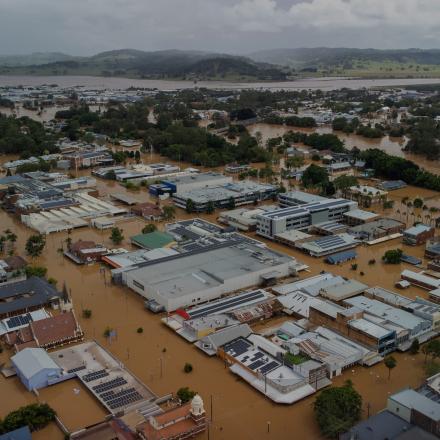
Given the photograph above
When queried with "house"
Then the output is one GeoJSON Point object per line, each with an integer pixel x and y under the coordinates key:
{"type": "Point", "coordinates": [418, 234]}
{"type": "Point", "coordinates": [85, 252]}
{"type": "Point", "coordinates": [27, 295]}
{"type": "Point", "coordinates": [35, 368]}
{"type": "Point", "coordinates": [148, 211]}
{"type": "Point", "coordinates": [181, 422]}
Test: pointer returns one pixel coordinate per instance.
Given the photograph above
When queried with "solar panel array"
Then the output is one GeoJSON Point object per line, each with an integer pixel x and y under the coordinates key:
{"type": "Point", "coordinates": [237, 347]}
{"type": "Point", "coordinates": [74, 370]}
{"type": "Point", "coordinates": [18, 321]}
{"type": "Point", "coordinates": [95, 375]}
{"type": "Point", "coordinates": [329, 242]}
{"type": "Point", "coordinates": [102, 387]}
{"type": "Point", "coordinates": [223, 304]}
{"type": "Point", "coordinates": [124, 398]}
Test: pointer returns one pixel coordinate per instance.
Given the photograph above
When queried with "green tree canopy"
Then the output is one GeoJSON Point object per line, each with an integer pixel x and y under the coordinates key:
{"type": "Point", "coordinates": [315, 176]}
{"type": "Point", "coordinates": [35, 245]}
{"type": "Point", "coordinates": [337, 409]}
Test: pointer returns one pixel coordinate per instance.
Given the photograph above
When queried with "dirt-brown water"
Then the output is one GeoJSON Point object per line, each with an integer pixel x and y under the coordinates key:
{"type": "Point", "coordinates": [157, 356]}
{"type": "Point", "coordinates": [97, 82]}
{"type": "Point", "coordinates": [390, 145]}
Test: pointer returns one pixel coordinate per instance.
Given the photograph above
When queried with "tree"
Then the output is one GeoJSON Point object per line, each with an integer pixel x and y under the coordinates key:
{"type": "Point", "coordinates": [337, 409]}
{"type": "Point", "coordinates": [87, 313]}
{"type": "Point", "coordinates": [415, 346]}
{"type": "Point", "coordinates": [390, 363]}
{"type": "Point", "coordinates": [35, 245]}
{"type": "Point", "coordinates": [314, 176]}
{"type": "Point", "coordinates": [169, 212]}
{"type": "Point", "coordinates": [343, 183]}
{"type": "Point", "coordinates": [149, 228]}
{"type": "Point", "coordinates": [185, 394]}
{"type": "Point", "coordinates": [210, 207]}
{"type": "Point", "coordinates": [392, 256]}
{"type": "Point", "coordinates": [116, 235]}
{"type": "Point", "coordinates": [294, 162]}
{"type": "Point", "coordinates": [189, 206]}
{"type": "Point", "coordinates": [187, 368]}
{"type": "Point", "coordinates": [35, 271]}
{"type": "Point", "coordinates": [418, 203]}
{"type": "Point", "coordinates": [35, 416]}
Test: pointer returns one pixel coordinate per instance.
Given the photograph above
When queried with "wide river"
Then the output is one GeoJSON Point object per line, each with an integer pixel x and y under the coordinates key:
{"type": "Point", "coordinates": [96, 82]}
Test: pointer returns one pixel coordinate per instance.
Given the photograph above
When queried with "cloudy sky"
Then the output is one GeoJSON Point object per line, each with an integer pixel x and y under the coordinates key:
{"type": "Point", "coordinates": [85, 27]}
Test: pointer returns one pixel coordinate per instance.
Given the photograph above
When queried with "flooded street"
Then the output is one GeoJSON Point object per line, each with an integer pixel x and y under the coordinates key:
{"type": "Point", "coordinates": [157, 356]}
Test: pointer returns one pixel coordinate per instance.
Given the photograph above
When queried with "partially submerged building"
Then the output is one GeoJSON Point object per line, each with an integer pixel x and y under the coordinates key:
{"type": "Point", "coordinates": [27, 295]}
{"type": "Point", "coordinates": [195, 277]}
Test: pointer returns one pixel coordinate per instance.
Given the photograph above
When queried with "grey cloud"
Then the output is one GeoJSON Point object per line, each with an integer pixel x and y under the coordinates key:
{"type": "Point", "coordinates": [85, 27]}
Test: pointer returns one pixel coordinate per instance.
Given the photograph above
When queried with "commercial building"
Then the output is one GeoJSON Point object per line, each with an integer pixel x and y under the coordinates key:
{"type": "Point", "coordinates": [352, 324]}
{"type": "Point", "coordinates": [243, 219]}
{"type": "Point", "coordinates": [153, 240]}
{"type": "Point", "coordinates": [183, 184]}
{"type": "Point", "coordinates": [432, 249]}
{"type": "Point", "coordinates": [332, 349]}
{"type": "Point", "coordinates": [194, 277]}
{"type": "Point", "coordinates": [385, 228]}
{"type": "Point", "coordinates": [35, 368]}
{"type": "Point", "coordinates": [420, 279]}
{"type": "Point", "coordinates": [302, 216]}
{"type": "Point", "coordinates": [418, 234]}
{"type": "Point", "coordinates": [84, 208]}
{"type": "Point", "coordinates": [416, 408]}
{"type": "Point", "coordinates": [87, 159]}
{"type": "Point", "coordinates": [385, 425]}
{"type": "Point", "coordinates": [106, 378]}
{"type": "Point", "coordinates": [265, 372]}
{"type": "Point", "coordinates": [411, 326]}
{"type": "Point", "coordinates": [135, 258]}
{"type": "Point", "coordinates": [366, 195]}
{"type": "Point", "coordinates": [356, 217]}
{"type": "Point", "coordinates": [328, 245]}
{"type": "Point", "coordinates": [225, 196]}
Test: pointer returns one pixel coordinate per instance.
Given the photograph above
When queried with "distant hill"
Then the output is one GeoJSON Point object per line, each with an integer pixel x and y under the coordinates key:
{"type": "Point", "coordinates": [170, 64]}
{"type": "Point", "coordinates": [35, 59]}
{"type": "Point", "coordinates": [414, 62]}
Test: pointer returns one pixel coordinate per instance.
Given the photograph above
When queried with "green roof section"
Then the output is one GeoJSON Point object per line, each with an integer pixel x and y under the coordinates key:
{"type": "Point", "coordinates": [152, 240]}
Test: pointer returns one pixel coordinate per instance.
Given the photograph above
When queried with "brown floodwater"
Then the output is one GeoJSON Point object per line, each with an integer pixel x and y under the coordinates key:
{"type": "Point", "coordinates": [157, 356]}
{"type": "Point", "coordinates": [390, 145]}
{"type": "Point", "coordinates": [97, 82]}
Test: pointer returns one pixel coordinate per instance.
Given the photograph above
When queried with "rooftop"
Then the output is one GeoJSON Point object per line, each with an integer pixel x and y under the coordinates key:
{"type": "Point", "coordinates": [28, 293]}
{"type": "Point", "coordinates": [153, 240]}
{"type": "Point", "coordinates": [31, 361]}
{"type": "Point", "coordinates": [414, 400]}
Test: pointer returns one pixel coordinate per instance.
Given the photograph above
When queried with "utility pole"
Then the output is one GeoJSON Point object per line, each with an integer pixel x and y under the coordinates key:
{"type": "Point", "coordinates": [211, 410]}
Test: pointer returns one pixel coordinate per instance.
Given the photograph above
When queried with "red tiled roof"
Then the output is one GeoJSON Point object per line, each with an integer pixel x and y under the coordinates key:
{"type": "Point", "coordinates": [57, 328]}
